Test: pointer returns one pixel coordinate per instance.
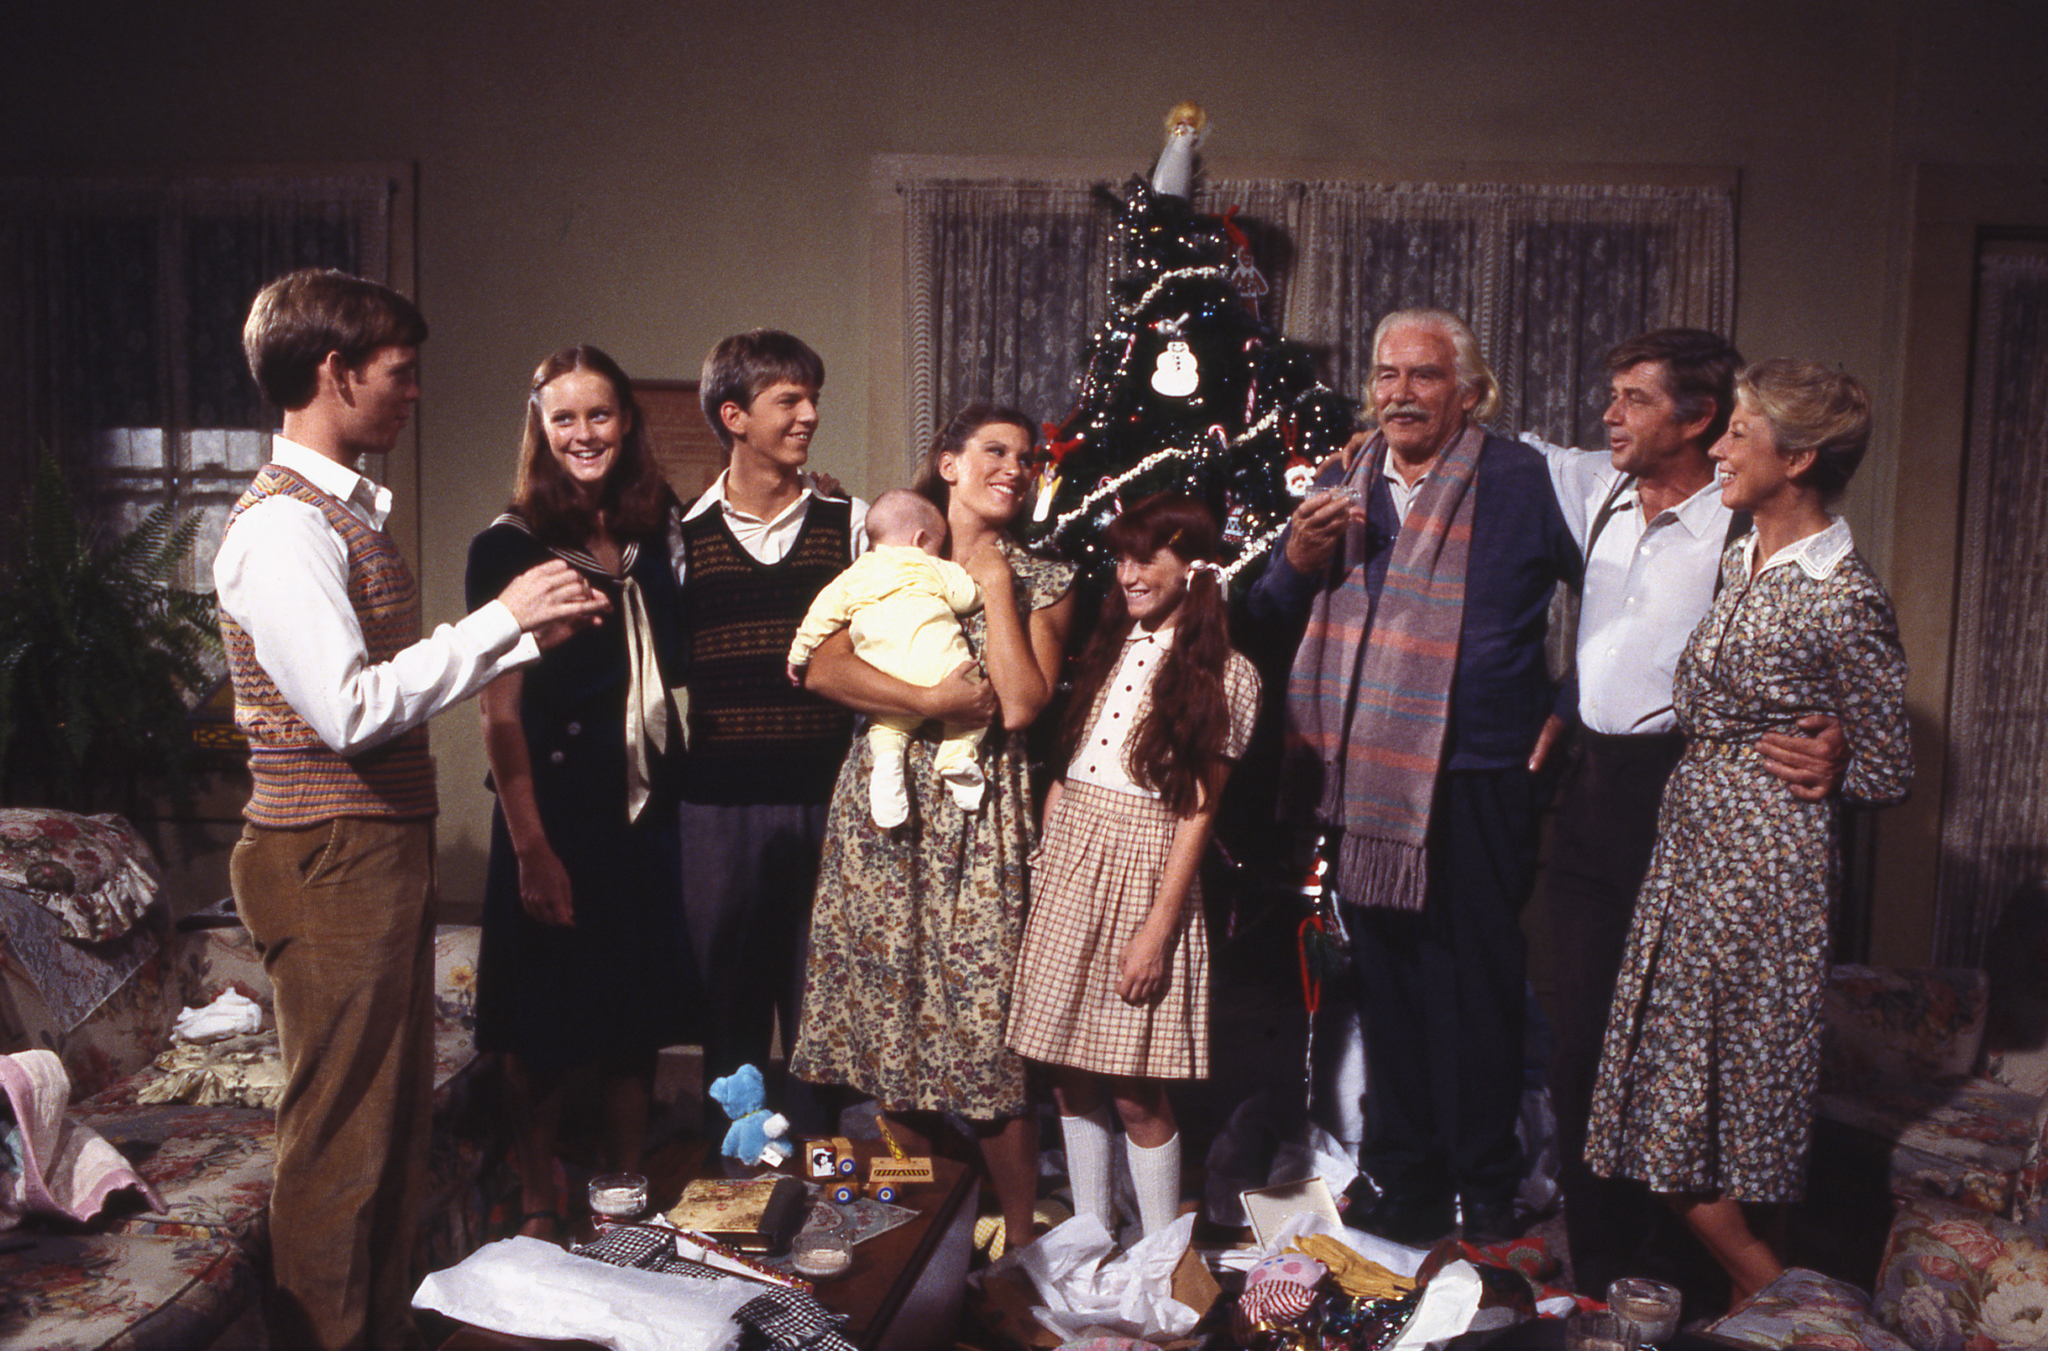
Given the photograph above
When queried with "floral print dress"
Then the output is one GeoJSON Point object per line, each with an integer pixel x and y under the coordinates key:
{"type": "Point", "coordinates": [1713, 1040]}
{"type": "Point", "coordinates": [914, 931]}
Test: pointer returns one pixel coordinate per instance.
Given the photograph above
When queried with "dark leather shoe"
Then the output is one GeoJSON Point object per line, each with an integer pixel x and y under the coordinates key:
{"type": "Point", "coordinates": [1414, 1222]}
{"type": "Point", "coordinates": [1490, 1222]}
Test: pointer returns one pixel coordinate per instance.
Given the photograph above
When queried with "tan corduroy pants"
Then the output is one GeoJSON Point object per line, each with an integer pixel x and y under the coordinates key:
{"type": "Point", "coordinates": [340, 911]}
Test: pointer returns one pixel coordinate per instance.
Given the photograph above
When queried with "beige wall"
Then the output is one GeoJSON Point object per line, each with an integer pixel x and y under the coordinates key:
{"type": "Point", "coordinates": [649, 175]}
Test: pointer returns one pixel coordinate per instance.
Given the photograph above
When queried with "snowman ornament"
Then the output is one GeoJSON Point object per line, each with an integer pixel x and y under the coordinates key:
{"type": "Point", "coordinates": [1176, 375]}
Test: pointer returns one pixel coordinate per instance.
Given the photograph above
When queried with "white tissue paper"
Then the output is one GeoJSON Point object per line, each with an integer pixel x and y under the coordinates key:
{"type": "Point", "coordinates": [1087, 1284]}
{"type": "Point", "coordinates": [530, 1288]}
{"type": "Point", "coordinates": [231, 1015]}
{"type": "Point", "coordinates": [1449, 1302]}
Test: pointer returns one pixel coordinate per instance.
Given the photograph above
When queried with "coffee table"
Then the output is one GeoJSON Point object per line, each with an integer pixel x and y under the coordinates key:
{"type": "Point", "coordinates": [905, 1288]}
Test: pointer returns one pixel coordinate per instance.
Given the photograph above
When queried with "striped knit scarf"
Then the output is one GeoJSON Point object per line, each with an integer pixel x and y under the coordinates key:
{"type": "Point", "coordinates": [1370, 694]}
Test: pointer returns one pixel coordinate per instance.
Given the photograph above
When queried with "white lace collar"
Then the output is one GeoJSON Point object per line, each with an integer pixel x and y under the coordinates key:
{"type": "Point", "coordinates": [1818, 554]}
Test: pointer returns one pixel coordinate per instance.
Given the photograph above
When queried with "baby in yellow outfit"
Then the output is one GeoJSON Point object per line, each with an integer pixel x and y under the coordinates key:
{"type": "Point", "coordinates": [902, 604]}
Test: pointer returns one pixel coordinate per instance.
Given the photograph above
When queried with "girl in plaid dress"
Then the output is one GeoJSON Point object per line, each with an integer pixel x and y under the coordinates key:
{"type": "Point", "coordinates": [1112, 983]}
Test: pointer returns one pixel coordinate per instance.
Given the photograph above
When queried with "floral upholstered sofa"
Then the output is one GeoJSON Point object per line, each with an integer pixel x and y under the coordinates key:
{"type": "Point", "coordinates": [1906, 1072]}
{"type": "Point", "coordinates": [176, 1277]}
{"type": "Point", "coordinates": [1952, 1279]}
{"type": "Point", "coordinates": [1938, 1080]}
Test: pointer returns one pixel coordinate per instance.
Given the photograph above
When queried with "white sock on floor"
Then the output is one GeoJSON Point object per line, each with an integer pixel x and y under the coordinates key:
{"type": "Point", "coordinates": [1088, 1164]}
{"type": "Point", "coordinates": [1156, 1175]}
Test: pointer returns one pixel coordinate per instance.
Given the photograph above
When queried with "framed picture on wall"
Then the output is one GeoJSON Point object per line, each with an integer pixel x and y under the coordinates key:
{"type": "Point", "coordinates": [680, 440]}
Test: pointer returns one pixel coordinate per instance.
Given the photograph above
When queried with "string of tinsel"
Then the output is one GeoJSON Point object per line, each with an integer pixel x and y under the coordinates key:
{"type": "Point", "coordinates": [1152, 291]}
{"type": "Point", "coordinates": [1158, 457]}
{"type": "Point", "coordinates": [1255, 549]}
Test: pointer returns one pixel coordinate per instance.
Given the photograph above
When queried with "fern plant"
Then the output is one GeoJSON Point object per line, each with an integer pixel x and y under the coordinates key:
{"type": "Point", "coordinates": [99, 657]}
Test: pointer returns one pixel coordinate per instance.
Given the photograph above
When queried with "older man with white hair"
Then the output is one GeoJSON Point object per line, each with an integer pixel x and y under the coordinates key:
{"type": "Point", "coordinates": [1423, 574]}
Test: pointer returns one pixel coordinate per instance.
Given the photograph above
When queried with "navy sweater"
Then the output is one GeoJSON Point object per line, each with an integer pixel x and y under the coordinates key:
{"type": "Point", "coordinates": [1521, 549]}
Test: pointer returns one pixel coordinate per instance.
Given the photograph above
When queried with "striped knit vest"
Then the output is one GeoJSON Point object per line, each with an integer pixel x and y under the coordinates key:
{"type": "Point", "coordinates": [754, 738]}
{"type": "Point", "coordinates": [298, 781]}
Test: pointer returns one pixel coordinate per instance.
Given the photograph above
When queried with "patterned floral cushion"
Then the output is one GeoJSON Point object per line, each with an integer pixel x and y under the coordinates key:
{"type": "Point", "coordinates": [1972, 1141]}
{"type": "Point", "coordinates": [455, 949]}
{"type": "Point", "coordinates": [1806, 1309]}
{"type": "Point", "coordinates": [1955, 1279]}
{"type": "Point", "coordinates": [93, 873]}
{"type": "Point", "coordinates": [1896, 1025]}
{"type": "Point", "coordinates": [131, 1292]}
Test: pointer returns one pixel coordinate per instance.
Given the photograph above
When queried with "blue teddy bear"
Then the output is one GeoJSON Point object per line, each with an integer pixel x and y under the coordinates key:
{"type": "Point", "coordinates": [757, 1134]}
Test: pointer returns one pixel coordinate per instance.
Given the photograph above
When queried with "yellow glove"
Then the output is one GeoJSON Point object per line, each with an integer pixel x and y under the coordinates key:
{"type": "Point", "coordinates": [1357, 1276]}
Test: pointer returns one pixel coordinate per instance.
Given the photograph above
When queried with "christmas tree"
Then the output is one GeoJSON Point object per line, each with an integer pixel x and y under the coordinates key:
{"type": "Point", "coordinates": [1185, 386]}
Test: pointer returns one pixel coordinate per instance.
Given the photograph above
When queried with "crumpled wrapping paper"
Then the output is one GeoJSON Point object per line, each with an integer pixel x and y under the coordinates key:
{"type": "Point", "coordinates": [1090, 1288]}
{"type": "Point", "coordinates": [234, 1014]}
{"type": "Point", "coordinates": [530, 1288]}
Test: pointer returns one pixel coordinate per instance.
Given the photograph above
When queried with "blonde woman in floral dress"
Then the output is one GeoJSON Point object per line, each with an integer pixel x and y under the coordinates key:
{"type": "Point", "coordinates": [1707, 1075]}
{"type": "Point", "coordinates": [915, 928]}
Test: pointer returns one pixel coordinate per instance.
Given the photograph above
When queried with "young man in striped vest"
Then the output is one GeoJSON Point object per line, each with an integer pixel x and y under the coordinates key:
{"type": "Point", "coordinates": [752, 553]}
{"type": "Point", "coordinates": [334, 872]}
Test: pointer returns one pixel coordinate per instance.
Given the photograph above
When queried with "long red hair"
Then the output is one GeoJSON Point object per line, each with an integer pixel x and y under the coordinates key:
{"type": "Point", "coordinates": [1181, 739]}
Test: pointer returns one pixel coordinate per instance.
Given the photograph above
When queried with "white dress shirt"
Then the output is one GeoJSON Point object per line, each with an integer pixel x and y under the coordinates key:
{"type": "Point", "coordinates": [768, 541]}
{"type": "Point", "coordinates": [1648, 585]}
{"type": "Point", "coordinates": [282, 574]}
{"type": "Point", "coordinates": [1401, 490]}
{"type": "Point", "coordinates": [1101, 759]}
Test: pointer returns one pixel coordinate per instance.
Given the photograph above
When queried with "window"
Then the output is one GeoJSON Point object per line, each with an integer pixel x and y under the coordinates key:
{"type": "Point", "coordinates": [121, 308]}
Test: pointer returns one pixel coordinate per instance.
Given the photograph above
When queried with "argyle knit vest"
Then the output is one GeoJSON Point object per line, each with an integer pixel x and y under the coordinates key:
{"type": "Point", "coordinates": [755, 738]}
{"type": "Point", "coordinates": [298, 780]}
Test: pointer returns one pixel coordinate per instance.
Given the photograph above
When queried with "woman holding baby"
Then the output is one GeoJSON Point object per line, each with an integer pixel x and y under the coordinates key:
{"type": "Point", "coordinates": [915, 928]}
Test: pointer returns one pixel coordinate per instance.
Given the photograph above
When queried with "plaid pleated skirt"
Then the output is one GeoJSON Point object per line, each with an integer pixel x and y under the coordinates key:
{"type": "Point", "coordinates": [1093, 881]}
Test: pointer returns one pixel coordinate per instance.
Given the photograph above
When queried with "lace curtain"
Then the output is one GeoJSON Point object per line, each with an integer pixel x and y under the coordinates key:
{"type": "Point", "coordinates": [1007, 279]}
{"type": "Point", "coordinates": [1995, 812]}
{"type": "Point", "coordinates": [1004, 281]}
{"type": "Point", "coordinates": [121, 309]}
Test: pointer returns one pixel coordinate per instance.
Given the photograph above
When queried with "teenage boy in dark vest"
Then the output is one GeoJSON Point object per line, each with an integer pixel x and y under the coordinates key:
{"type": "Point", "coordinates": [751, 554]}
{"type": "Point", "coordinates": [334, 871]}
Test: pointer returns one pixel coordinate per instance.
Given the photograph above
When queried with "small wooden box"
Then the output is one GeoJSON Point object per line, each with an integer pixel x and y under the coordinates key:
{"type": "Point", "coordinates": [828, 1158]}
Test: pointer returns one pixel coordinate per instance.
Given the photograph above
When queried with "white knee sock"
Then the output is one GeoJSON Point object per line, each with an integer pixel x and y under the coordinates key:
{"type": "Point", "coordinates": [1155, 1173]}
{"type": "Point", "coordinates": [1088, 1164]}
